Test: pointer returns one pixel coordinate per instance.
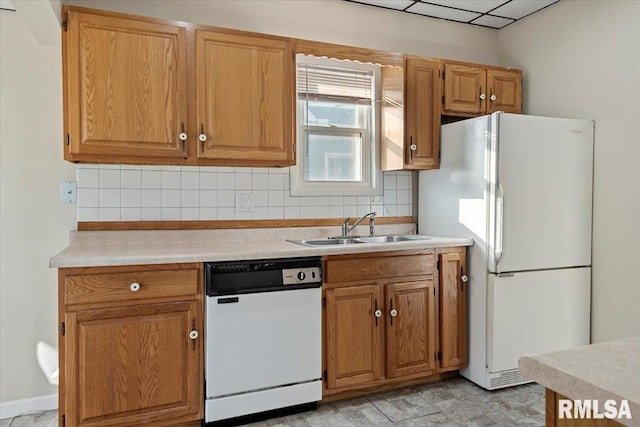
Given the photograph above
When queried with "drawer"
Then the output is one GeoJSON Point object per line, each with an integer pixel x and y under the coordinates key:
{"type": "Point", "coordinates": [378, 267]}
{"type": "Point", "coordinates": [129, 286]}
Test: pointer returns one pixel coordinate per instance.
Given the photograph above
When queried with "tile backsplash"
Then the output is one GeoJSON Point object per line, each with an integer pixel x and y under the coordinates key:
{"type": "Point", "coordinates": [181, 193]}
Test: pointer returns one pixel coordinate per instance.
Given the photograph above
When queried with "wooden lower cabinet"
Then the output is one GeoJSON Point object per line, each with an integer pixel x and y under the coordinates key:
{"type": "Point", "coordinates": [353, 335]}
{"type": "Point", "coordinates": [367, 324]}
{"type": "Point", "coordinates": [410, 328]}
{"type": "Point", "coordinates": [131, 360]}
{"type": "Point", "coordinates": [388, 317]}
{"type": "Point", "coordinates": [452, 306]}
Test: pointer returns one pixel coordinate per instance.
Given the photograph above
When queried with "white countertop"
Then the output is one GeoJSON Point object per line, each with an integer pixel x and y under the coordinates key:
{"type": "Point", "coordinates": [109, 248]}
{"type": "Point", "coordinates": [609, 370]}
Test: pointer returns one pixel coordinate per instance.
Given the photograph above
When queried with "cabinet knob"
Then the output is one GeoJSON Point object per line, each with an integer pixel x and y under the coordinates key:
{"type": "Point", "coordinates": [193, 334]}
{"type": "Point", "coordinates": [378, 313]}
{"type": "Point", "coordinates": [135, 287]}
{"type": "Point", "coordinates": [393, 313]}
{"type": "Point", "coordinates": [182, 136]}
{"type": "Point", "coordinates": [483, 96]}
{"type": "Point", "coordinates": [202, 137]}
{"type": "Point", "coordinates": [492, 97]}
{"type": "Point", "coordinates": [413, 147]}
{"type": "Point", "coordinates": [464, 278]}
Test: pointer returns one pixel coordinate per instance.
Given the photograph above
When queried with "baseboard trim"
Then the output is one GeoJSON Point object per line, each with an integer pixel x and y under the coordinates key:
{"type": "Point", "coordinates": [14, 408]}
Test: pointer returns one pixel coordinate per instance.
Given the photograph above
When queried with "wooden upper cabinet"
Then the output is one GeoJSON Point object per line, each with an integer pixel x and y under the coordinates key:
{"type": "Point", "coordinates": [505, 90]}
{"type": "Point", "coordinates": [464, 89]}
{"type": "Point", "coordinates": [125, 86]}
{"type": "Point", "coordinates": [410, 119]}
{"type": "Point", "coordinates": [245, 99]}
{"type": "Point", "coordinates": [145, 90]}
{"type": "Point", "coordinates": [354, 336]}
{"type": "Point", "coordinates": [472, 90]}
{"type": "Point", "coordinates": [453, 309]}
{"type": "Point", "coordinates": [410, 328]}
{"type": "Point", "coordinates": [423, 86]}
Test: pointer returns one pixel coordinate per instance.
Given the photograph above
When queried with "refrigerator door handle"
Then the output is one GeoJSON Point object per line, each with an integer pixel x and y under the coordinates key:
{"type": "Point", "coordinates": [499, 225]}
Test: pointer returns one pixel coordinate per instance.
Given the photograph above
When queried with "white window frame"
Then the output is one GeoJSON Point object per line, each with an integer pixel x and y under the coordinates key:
{"type": "Point", "coordinates": [372, 182]}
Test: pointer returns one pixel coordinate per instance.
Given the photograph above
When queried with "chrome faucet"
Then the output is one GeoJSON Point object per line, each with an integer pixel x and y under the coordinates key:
{"type": "Point", "coordinates": [346, 229]}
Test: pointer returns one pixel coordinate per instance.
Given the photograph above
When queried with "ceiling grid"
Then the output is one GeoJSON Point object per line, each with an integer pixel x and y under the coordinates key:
{"type": "Point", "coordinates": [485, 13]}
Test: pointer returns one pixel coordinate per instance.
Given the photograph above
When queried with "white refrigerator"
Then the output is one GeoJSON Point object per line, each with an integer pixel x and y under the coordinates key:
{"type": "Point", "coordinates": [521, 187]}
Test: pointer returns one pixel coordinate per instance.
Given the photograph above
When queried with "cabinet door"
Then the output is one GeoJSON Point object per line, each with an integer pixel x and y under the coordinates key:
{"type": "Point", "coordinates": [125, 89]}
{"type": "Point", "coordinates": [464, 89]}
{"type": "Point", "coordinates": [133, 365]}
{"type": "Point", "coordinates": [505, 91]}
{"type": "Point", "coordinates": [453, 311]}
{"type": "Point", "coordinates": [423, 114]}
{"type": "Point", "coordinates": [353, 335]}
{"type": "Point", "coordinates": [410, 328]}
{"type": "Point", "coordinates": [245, 97]}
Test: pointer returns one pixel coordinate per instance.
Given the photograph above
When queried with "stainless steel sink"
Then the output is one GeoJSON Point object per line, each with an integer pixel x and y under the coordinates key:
{"type": "Point", "coordinates": [326, 242]}
{"type": "Point", "coordinates": [391, 238]}
{"type": "Point", "coordinates": [383, 239]}
{"type": "Point", "coordinates": [348, 240]}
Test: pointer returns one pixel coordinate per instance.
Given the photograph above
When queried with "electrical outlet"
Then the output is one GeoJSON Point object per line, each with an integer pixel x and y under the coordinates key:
{"type": "Point", "coordinates": [244, 202]}
{"type": "Point", "coordinates": [68, 192]}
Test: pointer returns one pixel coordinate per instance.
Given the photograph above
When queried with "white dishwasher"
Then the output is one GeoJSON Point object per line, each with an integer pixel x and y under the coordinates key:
{"type": "Point", "coordinates": [263, 337]}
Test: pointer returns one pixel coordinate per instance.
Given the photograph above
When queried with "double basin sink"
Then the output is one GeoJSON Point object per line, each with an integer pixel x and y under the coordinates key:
{"type": "Point", "coordinates": [351, 240]}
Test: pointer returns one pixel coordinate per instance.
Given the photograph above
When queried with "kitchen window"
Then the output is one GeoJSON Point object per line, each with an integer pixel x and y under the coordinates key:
{"type": "Point", "coordinates": [337, 128]}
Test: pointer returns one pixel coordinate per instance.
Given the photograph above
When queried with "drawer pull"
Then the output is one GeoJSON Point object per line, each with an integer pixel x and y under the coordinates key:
{"type": "Point", "coordinates": [135, 287]}
{"type": "Point", "coordinates": [193, 334]}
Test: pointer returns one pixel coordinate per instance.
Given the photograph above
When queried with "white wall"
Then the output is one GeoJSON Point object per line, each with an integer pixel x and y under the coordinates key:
{"type": "Point", "coordinates": [580, 59]}
{"type": "Point", "coordinates": [34, 224]}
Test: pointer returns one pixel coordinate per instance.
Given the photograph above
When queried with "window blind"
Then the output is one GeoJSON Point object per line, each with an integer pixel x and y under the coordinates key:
{"type": "Point", "coordinates": [333, 82]}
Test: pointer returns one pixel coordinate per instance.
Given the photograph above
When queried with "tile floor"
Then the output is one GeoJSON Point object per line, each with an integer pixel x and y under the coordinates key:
{"type": "Point", "coordinates": [456, 402]}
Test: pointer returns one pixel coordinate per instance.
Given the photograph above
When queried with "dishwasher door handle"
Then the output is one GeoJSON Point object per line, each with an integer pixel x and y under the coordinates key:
{"type": "Point", "coordinates": [231, 300]}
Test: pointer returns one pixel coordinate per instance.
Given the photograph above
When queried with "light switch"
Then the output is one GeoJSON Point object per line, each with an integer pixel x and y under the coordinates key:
{"type": "Point", "coordinates": [244, 202]}
{"type": "Point", "coordinates": [68, 192]}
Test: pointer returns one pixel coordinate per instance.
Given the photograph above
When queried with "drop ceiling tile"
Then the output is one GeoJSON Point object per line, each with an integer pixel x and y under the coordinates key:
{"type": "Point", "coordinates": [442, 12]}
{"type": "Point", "coordinates": [475, 5]}
{"type": "Point", "coordinates": [492, 21]}
{"type": "Point", "coordinates": [517, 9]}
{"type": "Point", "coordinates": [390, 4]}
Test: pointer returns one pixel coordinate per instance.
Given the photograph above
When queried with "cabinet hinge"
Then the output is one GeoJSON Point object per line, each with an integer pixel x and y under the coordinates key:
{"type": "Point", "coordinates": [62, 329]}
{"type": "Point", "coordinates": [324, 302]}
{"type": "Point", "coordinates": [324, 375]}
{"type": "Point", "coordinates": [63, 421]}
{"type": "Point", "coordinates": [439, 356]}
{"type": "Point", "coordinates": [439, 155]}
{"type": "Point", "coordinates": [438, 265]}
{"type": "Point", "coordinates": [293, 55]}
{"type": "Point", "coordinates": [68, 139]}
{"type": "Point", "coordinates": [66, 21]}
{"type": "Point", "coordinates": [443, 71]}
{"type": "Point", "coordinates": [442, 99]}
{"type": "Point", "coordinates": [434, 291]}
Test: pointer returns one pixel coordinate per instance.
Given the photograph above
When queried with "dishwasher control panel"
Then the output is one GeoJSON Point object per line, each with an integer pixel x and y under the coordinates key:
{"type": "Point", "coordinates": [297, 276]}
